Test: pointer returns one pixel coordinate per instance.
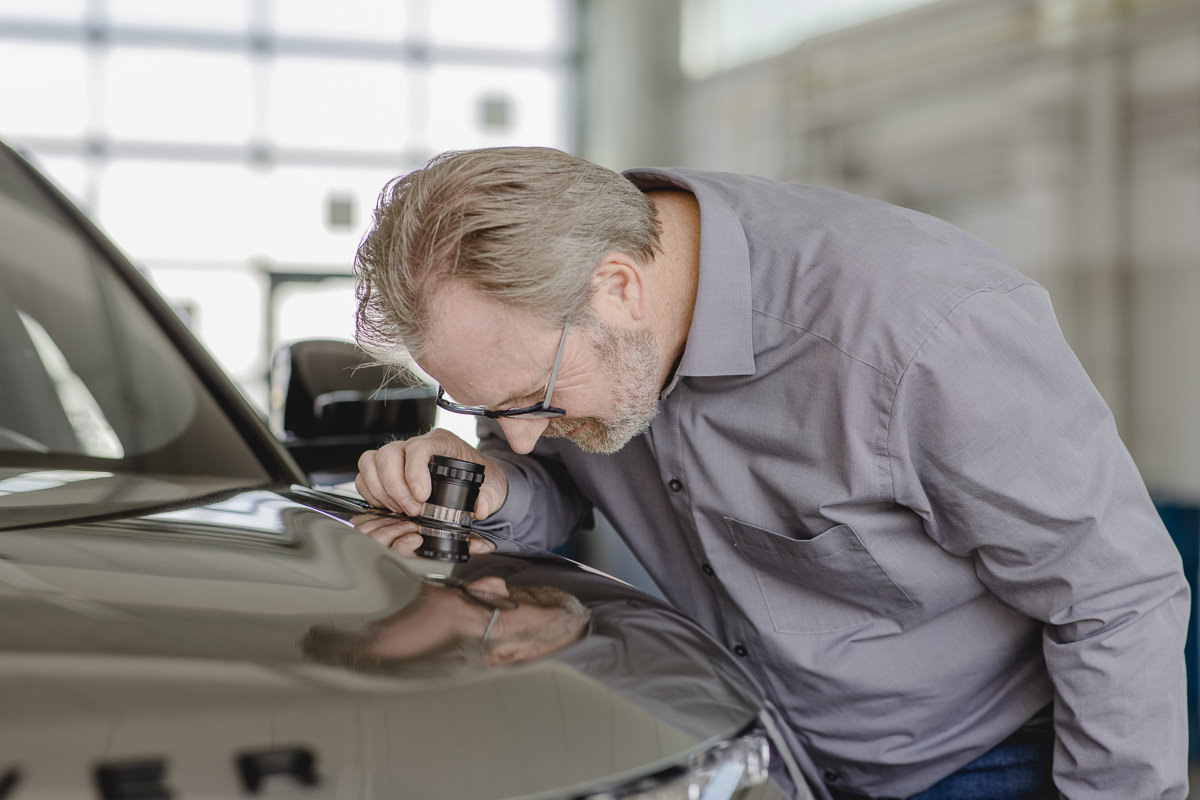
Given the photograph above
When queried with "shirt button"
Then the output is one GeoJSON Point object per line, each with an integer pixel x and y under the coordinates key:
{"type": "Point", "coordinates": [832, 776]}
{"type": "Point", "coordinates": [707, 569]}
{"type": "Point", "coordinates": [675, 484]}
{"type": "Point", "coordinates": [740, 650]}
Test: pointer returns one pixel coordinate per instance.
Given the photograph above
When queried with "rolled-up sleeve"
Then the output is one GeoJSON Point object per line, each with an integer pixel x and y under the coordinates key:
{"type": "Point", "coordinates": [999, 440]}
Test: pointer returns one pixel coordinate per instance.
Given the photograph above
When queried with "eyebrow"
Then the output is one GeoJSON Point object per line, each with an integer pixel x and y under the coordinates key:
{"type": "Point", "coordinates": [540, 388]}
{"type": "Point", "coordinates": [512, 401]}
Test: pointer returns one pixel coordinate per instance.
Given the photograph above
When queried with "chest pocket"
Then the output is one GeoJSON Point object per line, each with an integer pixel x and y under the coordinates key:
{"type": "Point", "coordinates": [828, 583]}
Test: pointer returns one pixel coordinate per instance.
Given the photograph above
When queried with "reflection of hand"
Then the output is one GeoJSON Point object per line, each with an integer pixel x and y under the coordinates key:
{"type": "Point", "coordinates": [401, 535]}
{"type": "Point", "coordinates": [396, 476]}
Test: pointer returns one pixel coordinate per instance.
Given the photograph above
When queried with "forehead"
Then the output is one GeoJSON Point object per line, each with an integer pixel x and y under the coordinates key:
{"type": "Point", "coordinates": [479, 350]}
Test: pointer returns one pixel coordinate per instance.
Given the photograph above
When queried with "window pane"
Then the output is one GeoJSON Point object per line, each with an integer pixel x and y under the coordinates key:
{"type": "Point", "coordinates": [211, 14]}
{"type": "Point", "coordinates": [533, 100]}
{"type": "Point", "coordinates": [366, 19]}
{"type": "Point", "coordinates": [66, 10]}
{"type": "Point", "coordinates": [342, 105]}
{"type": "Point", "coordinates": [177, 95]}
{"type": "Point", "coordinates": [532, 25]}
{"type": "Point", "coordinates": [53, 104]}
{"type": "Point", "coordinates": [293, 215]}
{"type": "Point", "coordinates": [224, 309]}
{"type": "Point", "coordinates": [322, 310]}
{"type": "Point", "coordinates": [158, 209]}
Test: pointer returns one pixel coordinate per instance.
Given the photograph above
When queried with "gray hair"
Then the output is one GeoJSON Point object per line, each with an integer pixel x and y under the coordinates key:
{"type": "Point", "coordinates": [526, 226]}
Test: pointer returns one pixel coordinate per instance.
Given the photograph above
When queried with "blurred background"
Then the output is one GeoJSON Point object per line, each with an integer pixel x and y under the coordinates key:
{"type": "Point", "coordinates": [235, 148]}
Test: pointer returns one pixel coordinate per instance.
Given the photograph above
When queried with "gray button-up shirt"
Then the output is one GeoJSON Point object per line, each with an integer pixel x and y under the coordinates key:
{"type": "Point", "coordinates": [881, 475]}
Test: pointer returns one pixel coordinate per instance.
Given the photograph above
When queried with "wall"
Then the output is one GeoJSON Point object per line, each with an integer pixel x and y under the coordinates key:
{"type": "Point", "coordinates": [1065, 131]}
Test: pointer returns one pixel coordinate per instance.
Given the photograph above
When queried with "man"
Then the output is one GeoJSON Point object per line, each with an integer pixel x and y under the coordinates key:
{"type": "Point", "coordinates": [847, 438]}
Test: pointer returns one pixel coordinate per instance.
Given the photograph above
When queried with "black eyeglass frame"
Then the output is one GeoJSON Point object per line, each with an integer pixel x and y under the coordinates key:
{"type": "Point", "coordinates": [542, 410]}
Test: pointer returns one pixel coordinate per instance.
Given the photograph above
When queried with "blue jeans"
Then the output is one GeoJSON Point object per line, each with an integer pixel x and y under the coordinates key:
{"type": "Point", "coordinates": [1019, 768]}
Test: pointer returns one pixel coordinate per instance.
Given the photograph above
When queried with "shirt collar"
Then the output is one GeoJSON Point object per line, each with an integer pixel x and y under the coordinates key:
{"type": "Point", "coordinates": [720, 340]}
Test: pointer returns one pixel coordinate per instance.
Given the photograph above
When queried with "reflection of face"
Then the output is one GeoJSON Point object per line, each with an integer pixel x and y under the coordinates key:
{"type": "Point", "coordinates": [545, 619]}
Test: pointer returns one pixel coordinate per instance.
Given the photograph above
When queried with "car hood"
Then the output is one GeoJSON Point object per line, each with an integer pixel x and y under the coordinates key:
{"type": "Point", "coordinates": [169, 645]}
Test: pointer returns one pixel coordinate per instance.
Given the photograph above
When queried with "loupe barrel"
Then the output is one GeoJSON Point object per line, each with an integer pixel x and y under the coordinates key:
{"type": "Point", "coordinates": [445, 521]}
{"type": "Point", "coordinates": [450, 516]}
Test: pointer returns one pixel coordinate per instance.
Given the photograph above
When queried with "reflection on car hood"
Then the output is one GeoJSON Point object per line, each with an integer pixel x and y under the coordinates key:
{"type": "Point", "coordinates": [46, 496]}
{"type": "Point", "coordinates": [172, 641]}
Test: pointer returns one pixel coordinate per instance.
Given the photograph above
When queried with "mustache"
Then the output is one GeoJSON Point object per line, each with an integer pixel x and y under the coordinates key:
{"type": "Point", "coordinates": [559, 428]}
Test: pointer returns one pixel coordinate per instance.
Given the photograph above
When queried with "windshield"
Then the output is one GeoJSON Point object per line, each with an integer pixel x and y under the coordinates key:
{"type": "Point", "coordinates": [88, 380]}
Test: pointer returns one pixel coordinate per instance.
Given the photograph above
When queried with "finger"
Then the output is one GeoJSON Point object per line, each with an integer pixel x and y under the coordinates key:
{"type": "Point", "coordinates": [407, 545]}
{"type": "Point", "coordinates": [493, 491]}
{"type": "Point", "coordinates": [487, 504]}
{"type": "Point", "coordinates": [365, 482]}
{"type": "Point", "coordinates": [477, 545]}
{"type": "Point", "coordinates": [391, 473]}
{"type": "Point", "coordinates": [370, 481]}
{"type": "Point", "coordinates": [418, 452]}
{"type": "Point", "coordinates": [390, 535]}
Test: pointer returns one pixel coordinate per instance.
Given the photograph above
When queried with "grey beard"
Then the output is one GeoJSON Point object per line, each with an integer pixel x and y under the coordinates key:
{"type": "Point", "coordinates": [632, 363]}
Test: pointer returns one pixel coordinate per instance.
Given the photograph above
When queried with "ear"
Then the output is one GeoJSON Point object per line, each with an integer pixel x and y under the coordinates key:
{"type": "Point", "coordinates": [622, 294]}
{"type": "Point", "coordinates": [503, 654]}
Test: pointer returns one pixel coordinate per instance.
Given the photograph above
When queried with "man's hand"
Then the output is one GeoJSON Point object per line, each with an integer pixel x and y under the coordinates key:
{"type": "Point", "coordinates": [401, 536]}
{"type": "Point", "coordinates": [396, 476]}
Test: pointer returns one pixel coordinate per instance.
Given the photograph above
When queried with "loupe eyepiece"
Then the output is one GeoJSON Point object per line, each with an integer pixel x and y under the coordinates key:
{"type": "Point", "coordinates": [445, 521]}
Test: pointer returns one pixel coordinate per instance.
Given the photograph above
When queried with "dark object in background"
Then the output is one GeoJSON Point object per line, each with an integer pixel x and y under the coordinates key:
{"type": "Point", "coordinates": [329, 404]}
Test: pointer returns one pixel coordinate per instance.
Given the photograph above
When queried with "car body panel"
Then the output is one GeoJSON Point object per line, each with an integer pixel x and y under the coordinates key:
{"type": "Point", "coordinates": [174, 636]}
{"type": "Point", "coordinates": [181, 616]}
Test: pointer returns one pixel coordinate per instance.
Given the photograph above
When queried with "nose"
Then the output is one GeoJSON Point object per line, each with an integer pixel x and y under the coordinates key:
{"type": "Point", "coordinates": [522, 434]}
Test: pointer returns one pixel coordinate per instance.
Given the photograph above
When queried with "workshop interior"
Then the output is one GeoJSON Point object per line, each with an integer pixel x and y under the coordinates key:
{"type": "Point", "coordinates": [235, 149]}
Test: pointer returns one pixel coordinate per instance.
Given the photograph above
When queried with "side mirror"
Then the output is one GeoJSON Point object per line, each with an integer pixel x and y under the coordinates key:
{"type": "Point", "coordinates": [329, 404]}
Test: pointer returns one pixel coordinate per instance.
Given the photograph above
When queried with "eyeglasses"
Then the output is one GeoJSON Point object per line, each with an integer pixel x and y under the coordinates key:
{"type": "Point", "coordinates": [542, 410]}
